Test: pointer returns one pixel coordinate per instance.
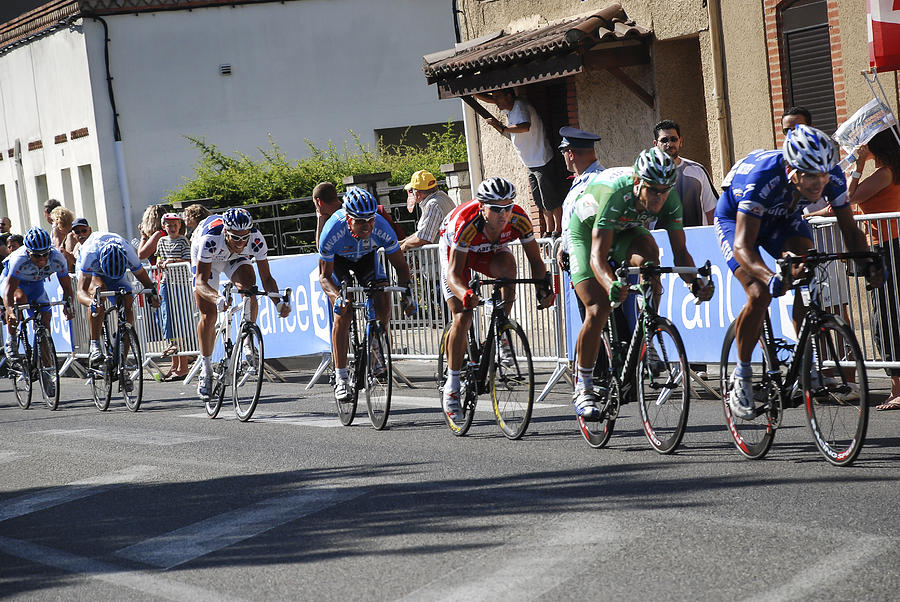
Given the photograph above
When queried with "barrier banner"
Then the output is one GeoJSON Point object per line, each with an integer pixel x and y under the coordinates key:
{"type": "Point", "coordinates": [59, 326]}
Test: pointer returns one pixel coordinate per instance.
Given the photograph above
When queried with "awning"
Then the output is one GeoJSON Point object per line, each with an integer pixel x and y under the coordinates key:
{"type": "Point", "coordinates": [607, 39]}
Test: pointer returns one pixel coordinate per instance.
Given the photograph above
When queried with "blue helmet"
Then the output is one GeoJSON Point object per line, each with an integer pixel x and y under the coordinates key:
{"type": "Point", "coordinates": [237, 219]}
{"type": "Point", "coordinates": [359, 202]}
{"type": "Point", "coordinates": [808, 149]}
{"type": "Point", "coordinates": [113, 260]}
{"type": "Point", "coordinates": [37, 240]}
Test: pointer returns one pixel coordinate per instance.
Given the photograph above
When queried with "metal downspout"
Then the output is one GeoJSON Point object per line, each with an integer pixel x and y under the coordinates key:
{"type": "Point", "coordinates": [470, 120]}
{"type": "Point", "coordinates": [718, 61]}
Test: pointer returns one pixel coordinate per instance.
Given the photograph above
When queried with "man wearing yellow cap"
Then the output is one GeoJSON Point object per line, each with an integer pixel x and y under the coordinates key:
{"type": "Point", "coordinates": [422, 189]}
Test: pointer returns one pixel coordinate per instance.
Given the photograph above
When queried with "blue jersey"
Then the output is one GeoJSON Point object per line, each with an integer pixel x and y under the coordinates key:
{"type": "Point", "coordinates": [18, 265]}
{"type": "Point", "coordinates": [758, 186]}
{"type": "Point", "coordinates": [89, 259]}
{"type": "Point", "coordinates": [337, 240]}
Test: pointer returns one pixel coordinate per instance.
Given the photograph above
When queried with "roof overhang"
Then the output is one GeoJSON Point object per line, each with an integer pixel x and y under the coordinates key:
{"type": "Point", "coordinates": [606, 39]}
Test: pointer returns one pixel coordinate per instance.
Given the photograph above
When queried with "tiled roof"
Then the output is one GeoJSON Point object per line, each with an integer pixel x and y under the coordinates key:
{"type": "Point", "coordinates": [495, 51]}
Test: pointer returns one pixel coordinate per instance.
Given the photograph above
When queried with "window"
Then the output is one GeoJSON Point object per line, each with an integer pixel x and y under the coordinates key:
{"type": "Point", "coordinates": [86, 185]}
{"type": "Point", "coordinates": [806, 48]}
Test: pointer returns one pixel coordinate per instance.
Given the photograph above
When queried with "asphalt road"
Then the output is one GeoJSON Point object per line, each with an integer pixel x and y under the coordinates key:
{"type": "Point", "coordinates": [168, 504]}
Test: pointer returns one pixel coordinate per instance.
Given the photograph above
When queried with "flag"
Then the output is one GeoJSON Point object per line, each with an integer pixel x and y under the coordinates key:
{"type": "Point", "coordinates": [883, 21]}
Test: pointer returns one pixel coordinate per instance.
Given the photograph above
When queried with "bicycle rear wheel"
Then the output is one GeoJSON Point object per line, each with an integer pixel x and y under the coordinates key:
{"type": "Point", "coordinates": [468, 388]}
{"type": "Point", "coordinates": [247, 371]}
{"type": "Point", "coordinates": [131, 368]}
{"type": "Point", "coordinates": [512, 380]}
{"type": "Point", "coordinates": [836, 391]}
{"type": "Point", "coordinates": [598, 432]}
{"type": "Point", "coordinates": [48, 375]}
{"type": "Point", "coordinates": [20, 373]}
{"type": "Point", "coordinates": [663, 386]}
{"type": "Point", "coordinates": [378, 376]}
{"type": "Point", "coordinates": [753, 436]}
{"type": "Point", "coordinates": [220, 377]}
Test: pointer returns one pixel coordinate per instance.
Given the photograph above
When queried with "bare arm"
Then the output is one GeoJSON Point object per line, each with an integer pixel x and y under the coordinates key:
{"type": "Point", "coordinates": [601, 243]}
{"type": "Point", "coordinates": [398, 260]}
{"type": "Point", "coordinates": [412, 241]}
{"type": "Point", "coordinates": [326, 269]}
{"type": "Point", "coordinates": [746, 232]}
{"type": "Point", "coordinates": [680, 253]}
{"type": "Point", "coordinates": [148, 245]}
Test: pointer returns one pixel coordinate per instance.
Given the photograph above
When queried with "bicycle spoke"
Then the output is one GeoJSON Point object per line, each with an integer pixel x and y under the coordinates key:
{"type": "Point", "coordinates": [247, 371]}
{"type": "Point", "coordinates": [512, 381]}
{"type": "Point", "coordinates": [663, 390]}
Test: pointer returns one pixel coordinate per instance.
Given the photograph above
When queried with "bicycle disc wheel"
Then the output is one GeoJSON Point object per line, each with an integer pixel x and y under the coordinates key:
{"type": "Point", "coordinates": [598, 432]}
{"type": "Point", "coordinates": [753, 436]}
{"type": "Point", "coordinates": [836, 391]}
{"type": "Point", "coordinates": [663, 386]}
{"type": "Point", "coordinates": [468, 389]}
{"type": "Point", "coordinates": [131, 369]}
{"type": "Point", "coordinates": [20, 373]}
{"type": "Point", "coordinates": [378, 377]}
{"type": "Point", "coordinates": [220, 383]}
{"type": "Point", "coordinates": [48, 375]}
{"type": "Point", "coordinates": [512, 380]}
{"type": "Point", "coordinates": [247, 371]}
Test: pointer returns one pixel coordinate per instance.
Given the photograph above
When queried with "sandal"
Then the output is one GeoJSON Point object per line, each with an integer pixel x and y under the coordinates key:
{"type": "Point", "coordinates": [172, 349]}
{"type": "Point", "coordinates": [171, 378]}
{"type": "Point", "coordinates": [891, 404]}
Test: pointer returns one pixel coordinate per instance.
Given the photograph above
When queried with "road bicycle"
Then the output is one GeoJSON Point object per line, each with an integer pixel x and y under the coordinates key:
{"type": "Point", "coordinates": [241, 367]}
{"type": "Point", "coordinates": [36, 359]}
{"type": "Point", "coordinates": [122, 362]}
{"type": "Point", "coordinates": [824, 372]}
{"type": "Point", "coordinates": [500, 365]}
{"type": "Point", "coordinates": [369, 355]}
{"type": "Point", "coordinates": [650, 368]}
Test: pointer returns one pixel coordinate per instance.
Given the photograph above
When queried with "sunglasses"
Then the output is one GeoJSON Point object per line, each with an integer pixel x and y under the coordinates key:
{"type": "Point", "coordinates": [657, 190]}
{"type": "Point", "coordinates": [238, 237]}
{"type": "Point", "coordinates": [665, 140]}
{"type": "Point", "coordinates": [365, 220]}
{"type": "Point", "coordinates": [39, 254]}
{"type": "Point", "coordinates": [499, 208]}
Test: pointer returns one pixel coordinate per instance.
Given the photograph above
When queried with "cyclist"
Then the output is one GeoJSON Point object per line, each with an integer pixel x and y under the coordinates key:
{"type": "Point", "coordinates": [24, 273]}
{"type": "Point", "coordinates": [609, 226]}
{"type": "Point", "coordinates": [225, 245]}
{"type": "Point", "coordinates": [102, 263]}
{"type": "Point", "coordinates": [476, 236]}
{"type": "Point", "coordinates": [349, 243]}
{"type": "Point", "coordinates": [762, 205]}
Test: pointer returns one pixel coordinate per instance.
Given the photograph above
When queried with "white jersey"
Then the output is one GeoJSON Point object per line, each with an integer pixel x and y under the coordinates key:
{"type": "Point", "coordinates": [209, 246]}
{"type": "Point", "coordinates": [18, 265]}
{"type": "Point", "coordinates": [89, 259]}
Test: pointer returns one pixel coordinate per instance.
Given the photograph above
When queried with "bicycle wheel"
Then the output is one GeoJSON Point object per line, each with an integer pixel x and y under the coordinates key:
{"type": "Point", "coordinates": [131, 368]}
{"type": "Point", "coordinates": [512, 380]}
{"type": "Point", "coordinates": [378, 376]}
{"type": "Point", "coordinates": [753, 436]}
{"type": "Point", "coordinates": [468, 388]}
{"type": "Point", "coordinates": [20, 373]}
{"type": "Point", "coordinates": [100, 376]}
{"type": "Point", "coordinates": [356, 369]}
{"type": "Point", "coordinates": [836, 391]}
{"type": "Point", "coordinates": [247, 371]}
{"type": "Point", "coordinates": [220, 383]}
{"type": "Point", "coordinates": [663, 386]}
{"type": "Point", "coordinates": [48, 375]}
{"type": "Point", "coordinates": [598, 432]}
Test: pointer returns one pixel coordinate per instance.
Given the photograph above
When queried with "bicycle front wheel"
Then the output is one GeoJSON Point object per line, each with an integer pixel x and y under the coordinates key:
{"type": "Point", "coordinates": [131, 368]}
{"type": "Point", "coordinates": [48, 373]}
{"type": "Point", "coordinates": [20, 373]}
{"type": "Point", "coordinates": [100, 377]}
{"type": "Point", "coordinates": [512, 380]}
{"type": "Point", "coordinates": [752, 436]}
{"type": "Point", "coordinates": [220, 383]}
{"type": "Point", "coordinates": [468, 389]}
{"type": "Point", "coordinates": [247, 371]}
{"type": "Point", "coordinates": [598, 432]}
{"type": "Point", "coordinates": [378, 376]}
{"type": "Point", "coordinates": [663, 386]}
{"type": "Point", "coordinates": [836, 391]}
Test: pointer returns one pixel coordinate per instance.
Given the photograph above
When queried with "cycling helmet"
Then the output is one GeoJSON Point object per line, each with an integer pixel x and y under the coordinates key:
{"type": "Point", "coordinates": [37, 240]}
{"type": "Point", "coordinates": [495, 189]}
{"type": "Point", "coordinates": [655, 167]}
{"type": "Point", "coordinates": [359, 202]}
{"type": "Point", "coordinates": [808, 149]}
{"type": "Point", "coordinates": [113, 260]}
{"type": "Point", "coordinates": [237, 219]}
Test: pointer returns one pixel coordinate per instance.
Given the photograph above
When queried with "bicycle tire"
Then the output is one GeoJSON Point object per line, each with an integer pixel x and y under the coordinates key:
{"type": "Point", "coordinates": [752, 437]}
{"type": "Point", "coordinates": [598, 432]}
{"type": "Point", "coordinates": [20, 373]}
{"type": "Point", "coordinates": [43, 339]}
{"type": "Point", "coordinates": [379, 378]}
{"type": "Point", "coordinates": [220, 383]}
{"type": "Point", "coordinates": [131, 368]}
{"type": "Point", "coordinates": [468, 388]}
{"type": "Point", "coordinates": [837, 419]}
{"type": "Point", "coordinates": [346, 409]}
{"type": "Point", "coordinates": [663, 386]}
{"type": "Point", "coordinates": [247, 371]}
{"type": "Point", "coordinates": [101, 378]}
{"type": "Point", "coordinates": [512, 381]}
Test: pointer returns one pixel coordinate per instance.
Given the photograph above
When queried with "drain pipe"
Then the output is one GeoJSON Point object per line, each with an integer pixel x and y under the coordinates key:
{"type": "Point", "coordinates": [470, 120]}
{"type": "Point", "coordinates": [718, 63]}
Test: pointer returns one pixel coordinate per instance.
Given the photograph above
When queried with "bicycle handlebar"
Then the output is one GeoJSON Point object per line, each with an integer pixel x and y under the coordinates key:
{"type": "Point", "coordinates": [36, 305]}
{"type": "Point", "coordinates": [98, 294]}
{"type": "Point", "coordinates": [814, 257]}
{"type": "Point", "coordinates": [650, 270]}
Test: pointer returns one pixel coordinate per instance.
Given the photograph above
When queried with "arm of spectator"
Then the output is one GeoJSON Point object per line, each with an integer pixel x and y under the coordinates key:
{"type": "Point", "coordinates": [148, 244]}
{"type": "Point", "coordinates": [412, 241]}
{"type": "Point", "coordinates": [860, 190]}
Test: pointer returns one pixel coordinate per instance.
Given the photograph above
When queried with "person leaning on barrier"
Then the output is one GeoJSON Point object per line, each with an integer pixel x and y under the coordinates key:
{"type": "Point", "coordinates": [226, 245]}
{"type": "Point", "coordinates": [172, 248]}
{"type": "Point", "coordinates": [349, 243]}
{"type": "Point", "coordinates": [436, 204]}
{"type": "Point", "coordinates": [194, 217]}
{"type": "Point", "coordinates": [625, 205]}
{"type": "Point", "coordinates": [476, 236]}
{"type": "Point", "coordinates": [105, 258]}
{"type": "Point", "coordinates": [62, 220]}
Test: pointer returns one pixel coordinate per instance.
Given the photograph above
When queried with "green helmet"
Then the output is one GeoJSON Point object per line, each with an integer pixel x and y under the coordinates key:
{"type": "Point", "coordinates": [655, 167]}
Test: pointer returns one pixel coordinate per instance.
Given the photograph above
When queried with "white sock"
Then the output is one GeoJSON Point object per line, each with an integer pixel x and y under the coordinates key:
{"type": "Point", "coordinates": [453, 380]}
{"type": "Point", "coordinates": [585, 377]}
{"type": "Point", "coordinates": [206, 365]}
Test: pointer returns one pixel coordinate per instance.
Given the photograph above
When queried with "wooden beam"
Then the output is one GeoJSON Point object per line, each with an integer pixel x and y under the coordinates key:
{"type": "Point", "coordinates": [477, 107]}
{"type": "Point", "coordinates": [632, 85]}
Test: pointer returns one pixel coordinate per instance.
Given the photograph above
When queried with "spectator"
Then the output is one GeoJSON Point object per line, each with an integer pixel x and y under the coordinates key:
{"type": "Point", "coordinates": [5, 225]}
{"type": "Point", "coordinates": [327, 201]}
{"type": "Point", "coordinates": [172, 248]}
{"type": "Point", "coordinates": [4, 250]}
{"type": "Point", "coordinates": [795, 116]}
{"type": "Point", "coordinates": [422, 190]}
{"type": "Point", "coordinates": [151, 231]}
{"type": "Point", "coordinates": [62, 218]}
{"type": "Point", "coordinates": [14, 242]}
{"type": "Point", "coordinates": [194, 215]}
{"type": "Point", "coordinates": [694, 186]}
{"type": "Point", "coordinates": [80, 232]}
{"type": "Point", "coordinates": [49, 206]}
{"type": "Point", "coordinates": [880, 193]}
{"type": "Point", "coordinates": [530, 141]}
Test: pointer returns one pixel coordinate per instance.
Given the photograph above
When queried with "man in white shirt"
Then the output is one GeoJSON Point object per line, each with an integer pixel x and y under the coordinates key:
{"type": "Point", "coordinates": [693, 183]}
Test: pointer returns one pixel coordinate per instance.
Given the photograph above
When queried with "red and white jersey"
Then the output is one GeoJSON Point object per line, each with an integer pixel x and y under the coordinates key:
{"type": "Point", "coordinates": [463, 230]}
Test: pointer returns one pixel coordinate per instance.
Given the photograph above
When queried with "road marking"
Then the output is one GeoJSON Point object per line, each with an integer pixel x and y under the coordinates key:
{"type": "Point", "coordinates": [318, 421]}
{"type": "Point", "coordinates": [142, 581]}
{"type": "Point", "coordinates": [201, 538]}
{"type": "Point", "coordinates": [9, 456]}
{"type": "Point", "coordinates": [55, 496]}
{"type": "Point", "coordinates": [136, 436]}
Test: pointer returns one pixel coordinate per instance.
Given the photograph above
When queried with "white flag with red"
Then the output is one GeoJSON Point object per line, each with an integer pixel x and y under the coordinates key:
{"type": "Point", "coordinates": [884, 34]}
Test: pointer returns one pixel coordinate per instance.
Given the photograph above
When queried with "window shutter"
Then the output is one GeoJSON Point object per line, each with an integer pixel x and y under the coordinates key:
{"type": "Point", "coordinates": [810, 76]}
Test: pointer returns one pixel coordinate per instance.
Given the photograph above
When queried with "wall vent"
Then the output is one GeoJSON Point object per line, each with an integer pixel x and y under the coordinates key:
{"type": "Point", "coordinates": [225, 69]}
